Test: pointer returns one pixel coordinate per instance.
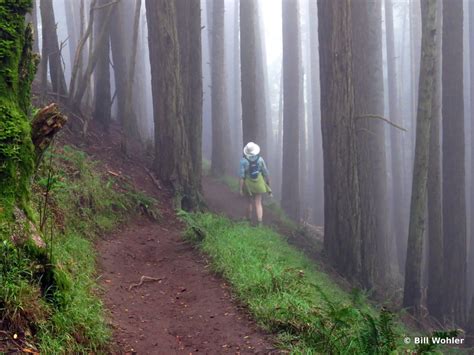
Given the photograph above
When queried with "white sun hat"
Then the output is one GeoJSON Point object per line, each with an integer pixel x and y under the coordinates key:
{"type": "Point", "coordinates": [251, 149]}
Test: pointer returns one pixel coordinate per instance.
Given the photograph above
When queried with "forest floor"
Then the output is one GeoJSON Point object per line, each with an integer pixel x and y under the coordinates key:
{"type": "Point", "coordinates": [180, 306]}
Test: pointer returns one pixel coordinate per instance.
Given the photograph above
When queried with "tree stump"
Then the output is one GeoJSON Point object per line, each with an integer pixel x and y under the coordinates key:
{"type": "Point", "coordinates": [46, 123]}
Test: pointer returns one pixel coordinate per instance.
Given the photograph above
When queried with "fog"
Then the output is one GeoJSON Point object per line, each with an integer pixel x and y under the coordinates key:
{"type": "Point", "coordinates": [384, 142]}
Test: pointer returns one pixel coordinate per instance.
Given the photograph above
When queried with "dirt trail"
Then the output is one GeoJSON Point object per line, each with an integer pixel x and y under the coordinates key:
{"type": "Point", "coordinates": [187, 309]}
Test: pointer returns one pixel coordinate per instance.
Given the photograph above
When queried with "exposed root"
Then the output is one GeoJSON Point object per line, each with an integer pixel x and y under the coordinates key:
{"type": "Point", "coordinates": [144, 279]}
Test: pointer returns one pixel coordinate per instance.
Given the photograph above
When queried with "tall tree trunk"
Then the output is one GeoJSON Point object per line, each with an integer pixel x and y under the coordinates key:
{"type": "Point", "coordinates": [316, 115]}
{"type": "Point", "coordinates": [172, 151]}
{"type": "Point", "coordinates": [127, 116]}
{"type": "Point", "coordinates": [189, 35]}
{"type": "Point", "coordinates": [94, 54]}
{"type": "Point", "coordinates": [435, 217]}
{"type": "Point", "coordinates": [237, 121]}
{"type": "Point", "coordinates": [32, 17]}
{"type": "Point", "coordinates": [290, 198]}
{"type": "Point", "coordinates": [342, 237]}
{"type": "Point", "coordinates": [369, 100]}
{"type": "Point", "coordinates": [248, 55]}
{"type": "Point", "coordinates": [16, 74]}
{"type": "Point", "coordinates": [119, 52]}
{"type": "Point", "coordinates": [471, 200]}
{"type": "Point", "coordinates": [412, 290]}
{"type": "Point", "coordinates": [398, 222]}
{"type": "Point", "coordinates": [71, 28]}
{"type": "Point", "coordinates": [220, 119]}
{"type": "Point", "coordinates": [51, 46]}
{"type": "Point", "coordinates": [260, 77]}
{"type": "Point", "coordinates": [454, 200]}
{"type": "Point", "coordinates": [102, 101]}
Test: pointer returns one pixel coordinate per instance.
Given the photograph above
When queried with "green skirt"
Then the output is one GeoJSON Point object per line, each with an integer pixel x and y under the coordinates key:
{"type": "Point", "coordinates": [256, 186]}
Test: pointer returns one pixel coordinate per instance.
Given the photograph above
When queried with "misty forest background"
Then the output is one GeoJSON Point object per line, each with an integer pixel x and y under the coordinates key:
{"type": "Point", "coordinates": [362, 110]}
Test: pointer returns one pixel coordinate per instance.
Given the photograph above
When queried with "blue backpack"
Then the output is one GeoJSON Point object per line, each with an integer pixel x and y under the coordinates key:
{"type": "Point", "coordinates": [254, 167]}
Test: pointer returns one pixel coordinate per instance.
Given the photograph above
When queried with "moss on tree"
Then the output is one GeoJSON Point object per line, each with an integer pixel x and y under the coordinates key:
{"type": "Point", "coordinates": [17, 68]}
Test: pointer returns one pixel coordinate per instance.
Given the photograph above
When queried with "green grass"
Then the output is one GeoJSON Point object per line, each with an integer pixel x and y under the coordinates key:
{"type": "Point", "coordinates": [288, 295]}
{"type": "Point", "coordinates": [54, 303]}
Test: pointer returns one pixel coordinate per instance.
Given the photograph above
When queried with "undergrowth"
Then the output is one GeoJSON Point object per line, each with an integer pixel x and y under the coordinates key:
{"type": "Point", "coordinates": [287, 294]}
{"type": "Point", "coordinates": [55, 305]}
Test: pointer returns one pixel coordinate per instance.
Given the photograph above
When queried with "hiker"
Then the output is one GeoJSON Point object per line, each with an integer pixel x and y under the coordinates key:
{"type": "Point", "coordinates": [254, 180]}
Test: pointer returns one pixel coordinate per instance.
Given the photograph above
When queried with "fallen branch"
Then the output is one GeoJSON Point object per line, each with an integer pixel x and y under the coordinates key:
{"type": "Point", "coordinates": [155, 181]}
{"type": "Point", "coordinates": [382, 119]}
{"type": "Point", "coordinates": [144, 279]}
{"type": "Point", "coordinates": [113, 173]}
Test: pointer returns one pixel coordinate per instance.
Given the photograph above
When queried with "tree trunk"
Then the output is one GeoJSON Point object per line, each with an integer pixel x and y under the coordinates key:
{"type": "Point", "coordinates": [16, 74]}
{"type": "Point", "coordinates": [71, 29]}
{"type": "Point", "coordinates": [119, 51]}
{"type": "Point", "coordinates": [103, 98]}
{"type": "Point", "coordinates": [32, 17]}
{"type": "Point", "coordinates": [127, 116]}
{"type": "Point", "coordinates": [471, 200]}
{"type": "Point", "coordinates": [220, 120]}
{"type": "Point", "coordinates": [398, 222]}
{"type": "Point", "coordinates": [172, 150]}
{"type": "Point", "coordinates": [412, 290]}
{"type": "Point", "coordinates": [94, 55]}
{"type": "Point", "coordinates": [290, 198]}
{"type": "Point", "coordinates": [342, 237]}
{"type": "Point", "coordinates": [316, 115]}
{"type": "Point", "coordinates": [189, 35]}
{"type": "Point", "coordinates": [260, 77]}
{"type": "Point", "coordinates": [435, 207]}
{"type": "Point", "coordinates": [454, 200]}
{"type": "Point", "coordinates": [51, 47]}
{"type": "Point", "coordinates": [369, 100]}
{"type": "Point", "coordinates": [248, 55]}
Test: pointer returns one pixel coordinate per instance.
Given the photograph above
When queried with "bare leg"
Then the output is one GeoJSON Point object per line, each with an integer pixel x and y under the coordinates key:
{"type": "Point", "coordinates": [250, 209]}
{"type": "Point", "coordinates": [258, 207]}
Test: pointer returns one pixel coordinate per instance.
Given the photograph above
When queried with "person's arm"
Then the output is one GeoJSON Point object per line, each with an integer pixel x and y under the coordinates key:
{"type": "Point", "coordinates": [264, 169]}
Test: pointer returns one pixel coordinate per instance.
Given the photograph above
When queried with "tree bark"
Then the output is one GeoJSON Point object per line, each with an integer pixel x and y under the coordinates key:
{"type": "Point", "coordinates": [412, 290]}
{"type": "Point", "coordinates": [189, 35]}
{"type": "Point", "coordinates": [435, 208]}
{"type": "Point", "coordinates": [398, 222]}
{"type": "Point", "coordinates": [261, 87]}
{"type": "Point", "coordinates": [128, 115]}
{"type": "Point", "coordinates": [47, 122]}
{"type": "Point", "coordinates": [16, 74]}
{"type": "Point", "coordinates": [290, 199]}
{"type": "Point", "coordinates": [342, 239]}
{"type": "Point", "coordinates": [248, 55]}
{"type": "Point", "coordinates": [454, 200]}
{"type": "Point", "coordinates": [119, 52]}
{"type": "Point", "coordinates": [51, 47]}
{"type": "Point", "coordinates": [94, 55]}
{"type": "Point", "coordinates": [369, 100]}
{"type": "Point", "coordinates": [316, 115]}
{"type": "Point", "coordinates": [471, 195]}
{"type": "Point", "coordinates": [172, 152]}
{"type": "Point", "coordinates": [71, 28]}
{"type": "Point", "coordinates": [103, 98]}
{"type": "Point", "coordinates": [220, 120]}
{"type": "Point", "coordinates": [32, 17]}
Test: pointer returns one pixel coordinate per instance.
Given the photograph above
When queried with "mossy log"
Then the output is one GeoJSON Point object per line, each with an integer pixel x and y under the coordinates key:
{"type": "Point", "coordinates": [46, 123]}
